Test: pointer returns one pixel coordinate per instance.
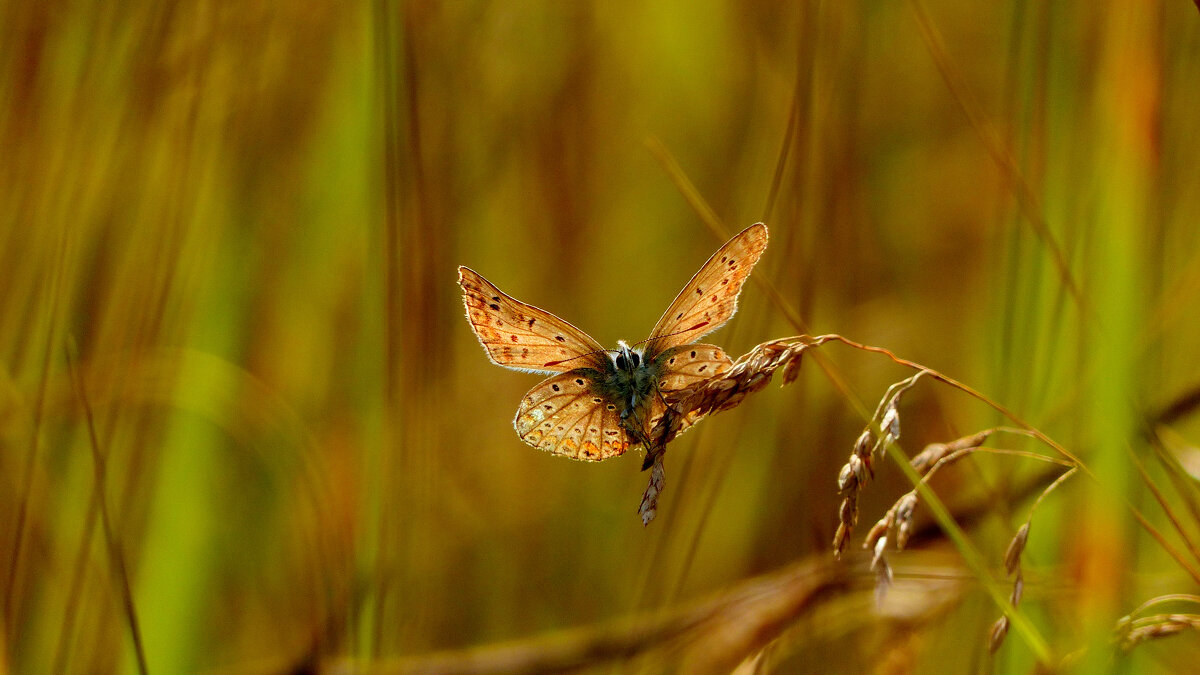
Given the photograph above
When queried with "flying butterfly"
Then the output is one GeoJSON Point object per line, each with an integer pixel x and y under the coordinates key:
{"type": "Point", "coordinates": [598, 402]}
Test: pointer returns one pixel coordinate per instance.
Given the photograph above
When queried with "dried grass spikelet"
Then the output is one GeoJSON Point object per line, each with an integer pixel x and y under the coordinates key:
{"type": "Point", "coordinates": [1132, 632]}
{"type": "Point", "coordinates": [935, 452]}
{"type": "Point", "coordinates": [750, 373]}
{"type": "Point", "coordinates": [883, 571]}
{"type": "Point", "coordinates": [997, 634]}
{"type": "Point", "coordinates": [1000, 627]}
{"type": "Point", "coordinates": [896, 525]}
{"type": "Point", "coordinates": [649, 506]}
{"type": "Point", "coordinates": [898, 521]}
{"type": "Point", "coordinates": [1012, 555]}
{"type": "Point", "coordinates": [754, 370]}
{"type": "Point", "coordinates": [883, 430]}
{"type": "Point", "coordinates": [1012, 565]}
{"type": "Point", "coordinates": [1132, 629]}
{"type": "Point", "coordinates": [1012, 561]}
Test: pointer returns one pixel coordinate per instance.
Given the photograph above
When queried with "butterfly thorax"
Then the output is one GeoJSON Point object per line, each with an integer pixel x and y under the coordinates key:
{"type": "Point", "coordinates": [630, 382]}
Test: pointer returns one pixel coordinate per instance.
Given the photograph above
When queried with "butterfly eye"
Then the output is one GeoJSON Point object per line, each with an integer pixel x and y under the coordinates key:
{"type": "Point", "coordinates": [635, 358]}
{"type": "Point", "coordinates": [620, 361]}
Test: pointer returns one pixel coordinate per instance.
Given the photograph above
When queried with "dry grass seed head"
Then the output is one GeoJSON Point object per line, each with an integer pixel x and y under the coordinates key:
{"type": "Point", "coordinates": [1012, 556]}
{"type": "Point", "coordinates": [1134, 632]}
{"type": "Point", "coordinates": [997, 635]}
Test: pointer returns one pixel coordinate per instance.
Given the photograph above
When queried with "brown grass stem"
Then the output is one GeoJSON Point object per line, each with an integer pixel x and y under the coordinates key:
{"type": "Point", "coordinates": [724, 630]}
{"type": "Point", "coordinates": [75, 591]}
{"type": "Point", "coordinates": [1185, 484]}
{"type": "Point", "coordinates": [1165, 505]}
{"type": "Point", "coordinates": [1026, 198]}
{"type": "Point", "coordinates": [56, 278]}
{"type": "Point", "coordinates": [117, 558]}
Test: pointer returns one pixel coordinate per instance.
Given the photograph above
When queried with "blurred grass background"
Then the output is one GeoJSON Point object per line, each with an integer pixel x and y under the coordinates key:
{"type": "Point", "coordinates": [247, 218]}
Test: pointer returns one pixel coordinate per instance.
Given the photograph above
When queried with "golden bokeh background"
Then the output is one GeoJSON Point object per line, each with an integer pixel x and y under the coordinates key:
{"type": "Point", "coordinates": [244, 426]}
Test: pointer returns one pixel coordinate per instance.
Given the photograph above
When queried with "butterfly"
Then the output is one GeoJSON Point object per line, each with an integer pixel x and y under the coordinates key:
{"type": "Point", "coordinates": [598, 402]}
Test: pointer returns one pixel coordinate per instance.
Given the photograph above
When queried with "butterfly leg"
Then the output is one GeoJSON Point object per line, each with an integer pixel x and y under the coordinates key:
{"type": "Point", "coordinates": [655, 449]}
{"type": "Point", "coordinates": [634, 424]}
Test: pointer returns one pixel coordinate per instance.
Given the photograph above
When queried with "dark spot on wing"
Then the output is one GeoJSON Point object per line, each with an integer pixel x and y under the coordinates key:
{"type": "Point", "coordinates": [611, 407]}
{"type": "Point", "coordinates": [547, 406]}
{"type": "Point", "coordinates": [496, 298]}
{"type": "Point", "coordinates": [560, 338]}
{"type": "Point", "coordinates": [514, 338]}
{"type": "Point", "coordinates": [494, 306]}
{"type": "Point", "coordinates": [699, 291]}
{"type": "Point", "coordinates": [693, 353]}
{"type": "Point", "coordinates": [724, 281]}
{"type": "Point", "coordinates": [578, 381]}
{"type": "Point", "coordinates": [714, 298]}
{"type": "Point", "coordinates": [555, 387]}
{"type": "Point", "coordinates": [597, 400]}
{"type": "Point", "coordinates": [701, 368]}
{"type": "Point", "coordinates": [531, 322]}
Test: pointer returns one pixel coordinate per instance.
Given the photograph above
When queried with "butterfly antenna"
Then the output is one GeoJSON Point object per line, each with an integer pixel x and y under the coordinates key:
{"type": "Point", "coordinates": [581, 356]}
{"type": "Point", "coordinates": [659, 337]}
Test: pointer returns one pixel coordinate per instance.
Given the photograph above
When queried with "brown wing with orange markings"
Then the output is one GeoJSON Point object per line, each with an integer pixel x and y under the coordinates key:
{"type": "Point", "coordinates": [523, 337]}
{"type": "Point", "coordinates": [710, 298]}
{"type": "Point", "coordinates": [562, 415]}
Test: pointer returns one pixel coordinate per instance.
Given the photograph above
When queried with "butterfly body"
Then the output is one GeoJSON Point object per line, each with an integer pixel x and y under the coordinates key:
{"type": "Point", "coordinates": [632, 380]}
{"type": "Point", "coordinates": [598, 403]}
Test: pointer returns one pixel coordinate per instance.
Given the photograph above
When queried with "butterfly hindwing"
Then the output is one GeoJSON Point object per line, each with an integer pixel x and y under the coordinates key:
{"type": "Point", "coordinates": [710, 298]}
{"type": "Point", "coordinates": [520, 336]}
{"type": "Point", "coordinates": [564, 416]}
{"type": "Point", "coordinates": [682, 367]}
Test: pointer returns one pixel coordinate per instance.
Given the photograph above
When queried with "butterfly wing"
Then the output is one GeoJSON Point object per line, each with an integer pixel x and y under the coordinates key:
{"type": "Point", "coordinates": [562, 415]}
{"type": "Point", "coordinates": [710, 298]}
{"type": "Point", "coordinates": [682, 367]}
{"type": "Point", "coordinates": [520, 336]}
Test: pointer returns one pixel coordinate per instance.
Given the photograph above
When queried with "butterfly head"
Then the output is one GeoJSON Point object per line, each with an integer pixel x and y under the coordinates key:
{"type": "Point", "coordinates": [626, 358]}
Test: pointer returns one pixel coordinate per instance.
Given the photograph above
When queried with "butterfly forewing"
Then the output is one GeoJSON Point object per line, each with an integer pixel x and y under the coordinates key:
{"type": "Point", "coordinates": [520, 336]}
{"type": "Point", "coordinates": [710, 298]}
{"type": "Point", "coordinates": [562, 415]}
